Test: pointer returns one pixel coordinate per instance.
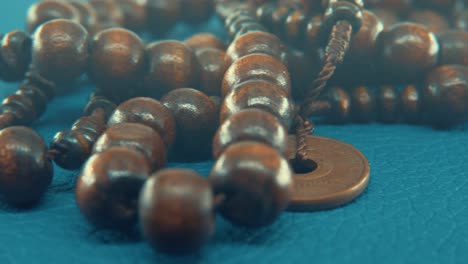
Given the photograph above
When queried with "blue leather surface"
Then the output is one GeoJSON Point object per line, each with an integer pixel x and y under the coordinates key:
{"type": "Point", "coordinates": [414, 211]}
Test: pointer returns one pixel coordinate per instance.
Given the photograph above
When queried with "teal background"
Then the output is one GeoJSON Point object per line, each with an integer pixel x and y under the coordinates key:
{"type": "Point", "coordinates": [414, 211]}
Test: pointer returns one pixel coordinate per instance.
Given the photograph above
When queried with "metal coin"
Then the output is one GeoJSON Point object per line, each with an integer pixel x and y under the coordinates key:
{"type": "Point", "coordinates": [341, 175]}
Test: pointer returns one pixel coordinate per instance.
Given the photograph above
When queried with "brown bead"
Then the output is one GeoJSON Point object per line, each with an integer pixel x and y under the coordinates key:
{"type": "Point", "coordinates": [313, 29]}
{"type": "Point", "coordinates": [363, 44]}
{"type": "Point", "coordinates": [176, 211]}
{"type": "Point", "coordinates": [72, 149]}
{"type": "Point", "coordinates": [253, 125]}
{"type": "Point", "coordinates": [407, 50]}
{"type": "Point", "coordinates": [25, 170]}
{"type": "Point", "coordinates": [264, 13]}
{"type": "Point", "coordinates": [15, 55]}
{"type": "Point", "coordinates": [117, 62]}
{"type": "Point", "coordinates": [135, 136]}
{"type": "Point", "coordinates": [88, 16]}
{"type": "Point", "coordinates": [162, 15]}
{"type": "Point", "coordinates": [204, 40]}
{"type": "Point", "coordinates": [256, 67]}
{"type": "Point", "coordinates": [453, 48]}
{"type": "Point", "coordinates": [196, 119]}
{"type": "Point", "coordinates": [363, 104]}
{"type": "Point", "coordinates": [108, 188]}
{"type": "Point", "coordinates": [108, 11]}
{"type": "Point", "coordinates": [295, 26]}
{"type": "Point", "coordinates": [213, 66]}
{"type": "Point", "coordinates": [340, 103]}
{"type": "Point", "coordinates": [60, 50]}
{"type": "Point", "coordinates": [388, 103]}
{"type": "Point", "coordinates": [445, 96]}
{"type": "Point", "coordinates": [278, 19]}
{"type": "Point", "coordinates": [134, 14]}
{"type": "Point", "coordinates": [238, 23]}
{"type": "Point", "coordinates": [148, 112]}
{"type": "Point", "coordinates": [171, 65]}
{"type": "Point", "coordinates": [386, 16]}
{"type": "Point", "coordinates": [256, 182]}
{"type": "Point", "coordinates": [257, 42]}
{"type": "Point", "coordinates": [259, 94]}
{"type": "Point", "coordinates": [196, 11]}
{"type": "Point", "coordinates": [432, 20]}
{"type": "Point", "coordinates": [410, 104]}
{"type": "Point", "coordinates": [47, 10]}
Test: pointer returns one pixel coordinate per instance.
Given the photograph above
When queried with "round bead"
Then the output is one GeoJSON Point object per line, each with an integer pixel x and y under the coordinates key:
{"type": "Point", "coordinates": [117, 62]}
{"type": "Point", "coordinates": [72, 147]}
{"type": "Point", "coordinates": [213, 66]}
{"type": "Point", "coordinates": [47, 10]}
{"type": "Point", "coordinates": [254, 125]}
{"type": "Point", "coordinates": [257, 42]}
{"type": "Point", "coordinates": [196, 11]}
{"type": "Point", "coordinates": [313, 27]}
{"type": "Point", "coordinates": [256, 67]}
{"type": "Point", "coordinates": [15, 52]}
{"type": "Point", "coordinates": [171, 65]}
{"type": "Point", "coordinates": [388, 103]}
{"type": "Point", "coordinates": [60, 50]}
{"type": "Point", "coordinates": [108, 11]}
{"type": "Point", "coordinates": [340, 103]}
{"type": "Point", "coordinates": [278, 19]}
{"type": "Point", "coordinates": [204, 40]}
{"type": "Point", "coordinates": [256, 182]}
{"type": "Point", "coordinates": [238, 23]}
{"type": "Point", "coordinates": [407, 50]}
{"type": "Point", "coordinates": [249, 27]}
{"type": "Point", "coordinates": [453, 47]}
{"type": "Point", "coordinates": [445, 96]}
{"type": "Point", "coordinates": [259, 94]}
{"type": "Point", "coordinates": [341, 10]}
{"type": "Point", "coordinates": [134, 14]}
{"type": "Point", "coordinates": [148, 112]}
{"type": "Point", "coordinates": [363, 43]}
{"type": "Point", "coordinates": [176, 211]}
{"type": "Point", "coordinates": [363, 104]}
{"type": "Point", "coordinates": [410, 104]}
{"type": "Point", "coordinates": [264, 13]}
{"type": "Point", "coordinates": [107, 189]}
{"type": "Point", "coordinates": [88, 15]}
{"type": "Point", "coordinates": [196, 119]}
{"type": "Point", "coordinates": [162, 15]}
{"type": "Point", "coordinates": [25, 170]}
{"type": "Point", "coordinates": [432, 20]}
{"type": "Point", "coordinates": [295, 26]}
{"type": "Point", "coordinates": [134, 136]}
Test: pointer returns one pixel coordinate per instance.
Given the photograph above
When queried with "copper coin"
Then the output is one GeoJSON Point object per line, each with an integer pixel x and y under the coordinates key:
{"type": "Point", "coordinates": [341, 175]}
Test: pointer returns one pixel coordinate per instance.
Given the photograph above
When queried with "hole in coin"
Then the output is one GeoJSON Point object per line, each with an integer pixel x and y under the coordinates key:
{"type": "Point", "coordinates": [303, 167]}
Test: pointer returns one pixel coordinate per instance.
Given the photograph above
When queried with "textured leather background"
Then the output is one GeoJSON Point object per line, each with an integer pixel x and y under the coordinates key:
{"type": "Point", "coordinates": [414, 211]}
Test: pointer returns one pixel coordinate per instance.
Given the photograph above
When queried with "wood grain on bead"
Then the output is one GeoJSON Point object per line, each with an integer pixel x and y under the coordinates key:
{"type": "Point", "coordinates": [117, 62]}
{"type": "Point", "coordinates": [252, 125]}
{"type": "Point", "coordinates": [363, 104]}
{"type": "Point", "coordinates": [60, 50]}
{"type": "Point", "coordinates": [256, 182]}
{"type": "Point", "coordinates": [171, 65]}
{"type": "Point", "coordinates": [135, 136]}
{"type": "Point", "coordinates": [149, 112]}
{"type": "Point", "coordinates": [259, 94]}
{"type": "Point", "coordinates": [25, 170]}
{"type": "Point", "coordinates": [15, 55]}
{"type": "Point", "coordinates": [434, 22]}
{"type": "Point", "coordinates": [453, 48]}
{"type": "Point", "coordinates": [411, 104]}
{"type": "Point", "coordinates": [256, 67]}
{"type": "Point", "coordinates": [204, 40]}
{"type": "Point", "coordinates": [44, 11]}
{"type": "Point", "coordinates": [162, 15]}
{"type": "Point", "coordinates": [134, 14]}
{"type": "Point", "coordinates": [108, 11]}
{"type": "Point", "coordinates": [176, 209]}
{"type": "Point", "coordinates": [212, 69]}
{"type": "Point", "coordinates": [195, 115]}
{"type": "Point", "coordinates": [388, 103]}
{"type": "Point", "coordinates": [108, 188]}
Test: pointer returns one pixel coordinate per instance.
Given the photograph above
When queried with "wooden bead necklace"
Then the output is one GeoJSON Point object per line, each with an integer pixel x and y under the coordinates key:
{"type": "Point", "coordinates": [244, 102]}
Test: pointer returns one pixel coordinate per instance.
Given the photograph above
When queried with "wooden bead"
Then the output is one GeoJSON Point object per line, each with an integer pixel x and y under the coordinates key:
{"type": "Point", "coordinates": [453, 47]}
{"type": "Point", "coordinates": [259, 94]}
{"type": "Point", "coordinates": [257, 42]}
{"type": "Point", "coordinates": [176, 211]}
{"type": "Point", "coordinates": [90, 128]}
{"type": "Point", "coordinates": [256, 182]}
{"type": "Point", "coordinates": [256, 67]}
{"type": "Point", "coordinates": [88, 16]}
{"type": "Point", "coordinates": [363, 104]}
{"type": "Point", "coordinates": [407, 50]}
{"type": "Point", "coordinates": [107, 189]}
{"type": "Point", "coordinates": [340, 103]}
{"type": "Point", "coordinates": [386, 16]}
{"type": "Point", "coordinates": [162, 15]}
{"type": "Point", "coordinates": [134, 14]}
{"type": "Point", "coordinates": [254, 125]}
{"type": "Point", "coordinates": [388, 104]}
{"type": "Point", "coordinates": [196, 11]}
{"type": "Point", "coordinates": [117, 62]}
{"type": "Point", "coordinates": [48, 10]}
{"type": "Point", "coordinates": [295, 26]}
{"type": "Point", "coordinates": [108, 11]}
{"type": "Point", "coordinates": [233, 27]}
{"type": "Point", "coordinates": [278, 19]}
{"type": "Point", "coordinates": [340, 10]}
{"type": "Point", "coordinates": [264, 13]}
{"type": "Point", "coordinates": [249, 27]}
{"type": "Point", "coordinates": [433, 21]}
{"type": "Point", "coordinates": [36, 96]}
{"type": "Point", "coordinates": [213, 66]}
{"type": "Point", "coordinates": [410, 104]}
{"type": "Point", "coordinates": [134, 136]}
{"type": "Point", "coordinates": [445, 96]}
{"type": "Point", "coordinates": [171, 65]}
{"type": "Point", "coordinates": [60, 50]}
{"type": "Point", "coordinates": [148, 112]}
{"type": "Point", "coordinates": [25, 170]}
{"type": "Point", "coordinates": [204, 40]}
{"type": "Point", "coordinates": [15, 55]}
{"type": "Point", "coordinates": [196, 119]}
{"type": "Point", "coordinates": [363, 46]}
{"type": "Point", "coordinates": [312, 30]}
{"type": "Point", "coordinates": [21, 107]}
